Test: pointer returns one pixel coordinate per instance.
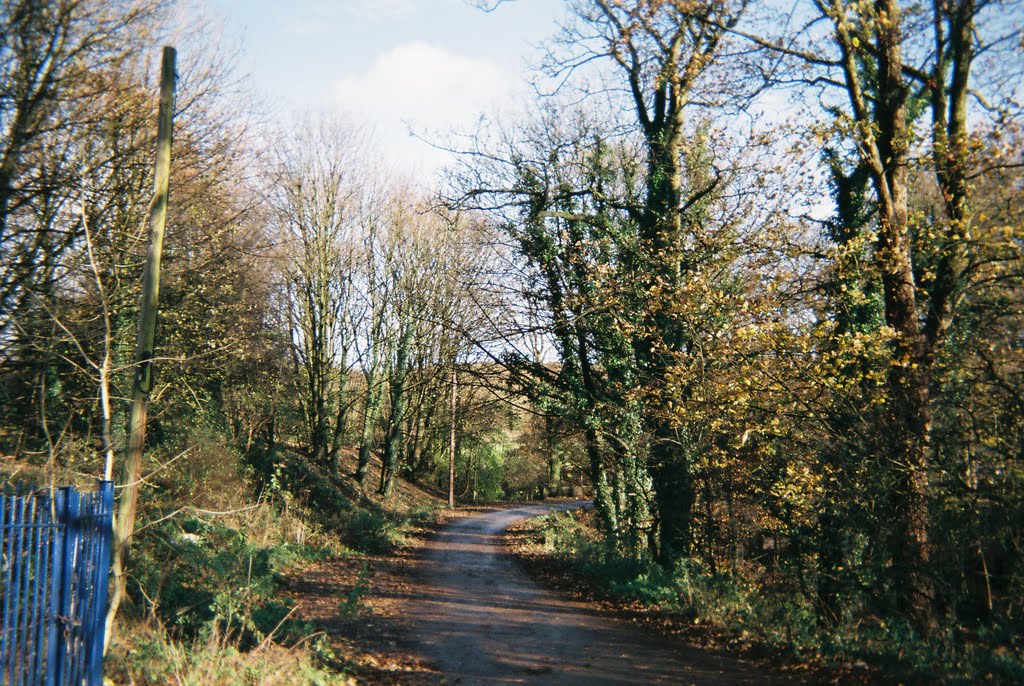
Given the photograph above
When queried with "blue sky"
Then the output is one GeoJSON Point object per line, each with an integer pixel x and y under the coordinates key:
{"type": "Point", "coordinates": [388, 63]}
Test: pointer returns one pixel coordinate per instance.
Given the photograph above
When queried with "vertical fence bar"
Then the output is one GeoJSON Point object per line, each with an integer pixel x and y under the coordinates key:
{"type": "Point", "coordinates": [53, 633]}
{"type": "Point", "coordinates": [8, 505]}
{"type": "Point", "coordinates": [32, 592]}
{"type": "Point", "coordinates": [37, 617]}
{"type": "Point", "coordinates": [88, 592]}
{"type": "Point", "coordinates": [103, 532]}
{"type": "Point", "coordinates": [25, 568]}
{"type": "Point", "coordinates": [12, 578]}
{"type": "Point", "coordinates": [45, 555]}
{"type": "Point", "coordinates": [19, 578]}
{"type": "Point", "coordinates": [23, 571]}
{"type": "Point", "coordinates": [72, 541]}
{"type": "Point", "coordinates": [80, 590]}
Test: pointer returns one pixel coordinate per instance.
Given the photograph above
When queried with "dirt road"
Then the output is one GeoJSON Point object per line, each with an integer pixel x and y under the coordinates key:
{"type": "Point", "coordinates": [485, 622]}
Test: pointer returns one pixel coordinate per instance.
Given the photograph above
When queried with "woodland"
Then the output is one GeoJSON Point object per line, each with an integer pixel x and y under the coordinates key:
{"type": "Point", "coordinates": [750, 274]}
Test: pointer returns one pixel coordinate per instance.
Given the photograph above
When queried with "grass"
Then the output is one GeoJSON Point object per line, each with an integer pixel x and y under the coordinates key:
{"type": "Point", "coordinates": [207, 594]}
{"type": "Point", "coordinates": [360, 521]}
{"type": "Point", "coordinates": [150, 657]}
{"type": "Point", "coordinates": [207, 597]}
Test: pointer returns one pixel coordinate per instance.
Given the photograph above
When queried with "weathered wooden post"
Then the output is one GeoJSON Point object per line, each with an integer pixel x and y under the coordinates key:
{"type": "Point", "coordinates": [124, 522]}
{"type": "Point", "coordinates": [451, 448]}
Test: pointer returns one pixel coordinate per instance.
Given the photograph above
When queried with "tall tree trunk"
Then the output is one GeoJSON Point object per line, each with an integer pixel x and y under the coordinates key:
{"type": "Point", "coordinates": [603, 498]}
{"type": "Point", "coordinates": [554, 458]}
{"type": "Point", "coordinates": [319, 443]}
{"type": "Point", "coordinates": [451, 438]}
{"type": "Point", "coordinates": [602, 495]}
{"type": "Point", "coordinates": [396, 434]}
{"type": "Point", "coordinates": [661, 238]}
{"type": "Point", "coordinates": [884, 146]}
{"type": "Point", "coordinates": [371, 413]}
{"type": "Point", "coordinates": [910, 375]}
{"type": "Point", "coordinates": [420, 446]}
{"type": "Point", "coordinates": [339, 419]}
{"type": "Point", "coordinates": [673, 493]}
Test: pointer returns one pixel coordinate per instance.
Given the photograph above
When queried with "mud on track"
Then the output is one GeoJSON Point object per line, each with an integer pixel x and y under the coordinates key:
{"type": "Point", "coordinates": [485, 622]}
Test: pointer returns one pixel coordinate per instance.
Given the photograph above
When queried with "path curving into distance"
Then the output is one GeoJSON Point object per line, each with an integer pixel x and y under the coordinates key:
{"type": "Point", "coordinates": [485, 622]}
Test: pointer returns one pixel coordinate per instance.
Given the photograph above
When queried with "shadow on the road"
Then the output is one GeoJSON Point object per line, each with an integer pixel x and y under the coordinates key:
{"type": "Point", "coordinates": [484, 622]}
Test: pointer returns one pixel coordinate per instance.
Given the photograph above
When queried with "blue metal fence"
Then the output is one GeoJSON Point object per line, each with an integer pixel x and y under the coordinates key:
{"type": "Point", "coordinates": [53, 577]}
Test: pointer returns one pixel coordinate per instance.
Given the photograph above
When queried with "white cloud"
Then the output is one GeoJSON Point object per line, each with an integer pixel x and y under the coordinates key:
{"type": "Point", "coordinates": [378, 9]}
{"type": "Point", "coordinates": [318, 18]}
{"type": "Point", "coordinates": [311, 20]}
{"type": "Point", "coordinates": [424, 86]}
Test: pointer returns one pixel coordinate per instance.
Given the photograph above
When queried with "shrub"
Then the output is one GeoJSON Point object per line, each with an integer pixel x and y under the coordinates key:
{"type": "Point", "coordinates": [777, 612]}
{"type": "Point", "coordinates": [202, 579]}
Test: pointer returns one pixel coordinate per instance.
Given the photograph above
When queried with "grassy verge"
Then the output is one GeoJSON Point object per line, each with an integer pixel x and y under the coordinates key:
{"type": "Point", "coordinates": [211, 589]}
{"type": "Point", "coordinates": [207, 606]}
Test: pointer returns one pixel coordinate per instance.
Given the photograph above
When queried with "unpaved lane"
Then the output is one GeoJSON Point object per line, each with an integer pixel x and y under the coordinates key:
{"type": "Point", "coordinates": [485, 622]}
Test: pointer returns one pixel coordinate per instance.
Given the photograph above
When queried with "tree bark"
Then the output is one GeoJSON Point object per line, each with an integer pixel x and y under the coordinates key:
{"type": "Point", "coordinates": [554, 459]}
{"type": "Point", "coordinates": [371, 413]}
{"type": "Point", "coordinates": [339, 419]}
{"type": "Point", "coordinates": [396, 434]}
{"type": "Point", "coordinates": [884, 145]}
{"type": "Point", "coordinates": [451, 440]}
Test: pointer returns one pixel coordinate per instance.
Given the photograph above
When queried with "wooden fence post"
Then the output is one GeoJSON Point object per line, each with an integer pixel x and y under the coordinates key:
{"type": "Point", "coordinates": [451, 447]}
{"type": "Point", "coordinates": [124, 522]}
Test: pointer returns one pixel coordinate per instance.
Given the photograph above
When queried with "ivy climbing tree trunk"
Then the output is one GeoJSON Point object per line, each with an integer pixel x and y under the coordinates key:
{"type": "Point", "coordinates": [884, 143]}
{"type": "Point", "coordinates": [371, 413]}
{"type": "Point", "coordinates": [451, 439]}
{"type": "Point", "coordinates": [399, 393]}
{"type": "Point", "coordinates": [662, 50]}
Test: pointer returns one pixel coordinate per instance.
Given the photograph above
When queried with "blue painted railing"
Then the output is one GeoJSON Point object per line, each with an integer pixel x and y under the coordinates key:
{"type": "Point", "coordinates": [53, 576]}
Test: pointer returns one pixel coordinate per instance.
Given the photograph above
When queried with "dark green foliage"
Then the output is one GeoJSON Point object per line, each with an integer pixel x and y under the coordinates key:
{"type": "Point", "coordinates": [772, 609]}
{"type": "Point", "coordinates": [349, 603]}
{"type": "Point", "coordinates": [372, 531]}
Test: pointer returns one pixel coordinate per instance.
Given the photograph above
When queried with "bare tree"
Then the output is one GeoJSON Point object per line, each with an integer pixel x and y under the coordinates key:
{"type": "Point", "coordinates": [320, 194]}
{"type": "Point", "coordinates": [53, 57]}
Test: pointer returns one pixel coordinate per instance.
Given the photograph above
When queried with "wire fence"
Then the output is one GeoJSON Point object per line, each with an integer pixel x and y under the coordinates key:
{"type": "Point", "coordinates": [55, 548]}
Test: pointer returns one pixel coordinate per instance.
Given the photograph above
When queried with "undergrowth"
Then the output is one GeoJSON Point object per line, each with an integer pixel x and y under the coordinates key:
{"type": "Point", "coordinates": [207, 604]}
{"type": "Point", "coordinates": [743, 602]}
{"type": "Point", "coordinates": [150, 656]}
{"type": "Point", "coordinates": [360, 522]}
{"type": "Point", "coordinates": [207, 596]}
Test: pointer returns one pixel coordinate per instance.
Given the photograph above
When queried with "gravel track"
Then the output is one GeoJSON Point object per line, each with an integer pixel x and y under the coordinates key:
{"type": "Point", "coordinates": [484, 621]}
